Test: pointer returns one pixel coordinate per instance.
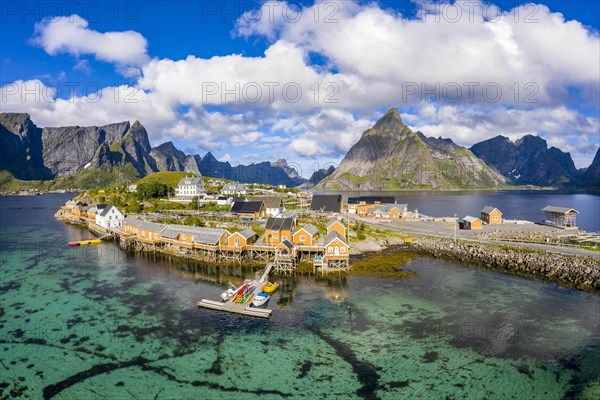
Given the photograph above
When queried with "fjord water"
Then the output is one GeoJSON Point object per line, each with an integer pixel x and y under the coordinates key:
{"type": "Point", "coordinates": [515, 204]}
{"type": "Point", "coordinates": [95, 323]}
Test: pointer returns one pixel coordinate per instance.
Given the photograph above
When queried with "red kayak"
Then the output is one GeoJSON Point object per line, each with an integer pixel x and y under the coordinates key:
{"type": "Point", "coordinates": [73, 244]}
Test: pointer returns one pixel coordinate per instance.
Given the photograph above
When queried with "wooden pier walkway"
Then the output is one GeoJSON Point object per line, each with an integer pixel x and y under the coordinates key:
{"type": "Point", "coordinates": [239, 308]}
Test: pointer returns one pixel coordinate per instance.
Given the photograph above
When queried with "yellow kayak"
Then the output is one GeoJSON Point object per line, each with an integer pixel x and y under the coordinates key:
{"type": "Point", "coordinates": [271, 287]}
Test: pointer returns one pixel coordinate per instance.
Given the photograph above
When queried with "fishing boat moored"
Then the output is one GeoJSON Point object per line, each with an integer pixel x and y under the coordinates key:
{"type": "Point", "coordinates": [260, 299]}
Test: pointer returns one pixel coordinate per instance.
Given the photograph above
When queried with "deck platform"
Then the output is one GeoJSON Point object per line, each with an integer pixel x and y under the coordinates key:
{"type": "Point", "coordinates": [239, 308]}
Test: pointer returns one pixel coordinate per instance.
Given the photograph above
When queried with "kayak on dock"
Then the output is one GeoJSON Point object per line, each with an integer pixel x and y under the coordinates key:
{"type": "Point", "coordinates": [232, 291]}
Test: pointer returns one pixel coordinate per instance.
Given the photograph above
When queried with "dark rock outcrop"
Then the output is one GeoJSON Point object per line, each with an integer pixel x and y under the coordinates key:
{"type": "Point", "coordinates": [319, 175]}
{"type": "Point", "coordinates": [527, 161]}
{"type": "Point", "coordinates": [21, 147]}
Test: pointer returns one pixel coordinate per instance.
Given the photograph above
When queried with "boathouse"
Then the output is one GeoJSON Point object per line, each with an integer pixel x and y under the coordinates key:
{"type": "Point", "coordinates": [491, 215]}
{"type": "Point", "coordinates": [327, 203]}
{"type": "Point", "coordinates": [131, 223]}
{"type": "Point", "coordinates": [239, 240]}
{"type": "Point", "coordinates": [562, 217]}
{"type": "Point", "coordinates": [182, 234]}
{"type": "Point", "coordinates": [277, 230]}
{"type": "Point", "coordinates": [472, 223]}
{"type": "Point", "coordinates": [305, 236]}
{"type": "Point", "coordinates": [150, 232]}
{"type": "Point", "coordinates": [336, 253]}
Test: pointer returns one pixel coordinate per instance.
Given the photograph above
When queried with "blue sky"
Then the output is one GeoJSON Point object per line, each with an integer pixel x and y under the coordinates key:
{"type": "Point", "coordinates": [191, 72]}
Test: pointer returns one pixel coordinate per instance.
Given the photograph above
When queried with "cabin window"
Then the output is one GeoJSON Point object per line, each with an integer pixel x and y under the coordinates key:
{"type": "Point", "coordinates": [283, 238]}
{"type": "Point", "coordinates": [275, 236]}
{"type": "Point", "coordinates": [156, 236]}
{"type": "Point", "coordinates": [342, 249]}
{"type": "Point", "coordinates": [495, 217]}
{"type": "Point", "coordinates": [236, 241]}
{"type": "Point", "coordinates": [330, 250]}
{"type": "Point", "coordinates": [302, 238]}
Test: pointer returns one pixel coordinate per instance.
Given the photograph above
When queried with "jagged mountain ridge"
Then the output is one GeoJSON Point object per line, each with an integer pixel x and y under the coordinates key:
{"type": "Point", "coordinates": [118, 151]}
{"type": "Point", "coordinates": [390, 156]}
{"type": "Point", "coordinates": [528, 161]}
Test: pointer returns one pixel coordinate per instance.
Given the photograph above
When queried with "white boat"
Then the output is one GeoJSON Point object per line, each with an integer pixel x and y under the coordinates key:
{"type": "Point", "coordinates": [260, 299]}
{"type": "Point", "coordinates": [232, 290]}
{"type": "Point", "coordinates": [226, 295]}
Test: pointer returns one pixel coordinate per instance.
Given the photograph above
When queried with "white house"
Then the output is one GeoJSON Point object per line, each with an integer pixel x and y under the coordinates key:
{"type": "Point", "coordinates": [110, 217]}
{"type": "Point", "coordinates": [190, 187]}
{"type": "Point", "coordinates": [224, 201]}
{"type": "Point", "coordinates": [234, 189]}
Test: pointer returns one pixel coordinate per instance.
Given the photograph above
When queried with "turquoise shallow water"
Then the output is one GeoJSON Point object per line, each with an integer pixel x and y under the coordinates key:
{"type": "Point", "coordinates": [94, 322]}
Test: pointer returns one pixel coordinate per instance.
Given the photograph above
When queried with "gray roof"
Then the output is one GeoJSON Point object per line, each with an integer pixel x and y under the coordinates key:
{"type": "Point", "coordinates": [470, 219]}
{"type": "Point", "coordinates": [247, 233]}
{"type": "Point", "coordinates": [199, 234]}
{"type": "Point", "coordinates": [133, 221]}
{"type": "Point", "coordinates": [190, 181]}
{"type": "Point", "coordinates": [234, 186]}
{"type": "Point", "coordinates": [333, 221]}
{"type": "Point", "coordinates": [331, 236]}
{"type": "Point", "coordinates": [287, 214]}
{"type": "Point", "coordinates": [270, 201]}
{"type": "Point", "coordinates": [153, 226]}
{"type": "Point", "coordinates": [489, 209]}
{"type": "Point", "coordinates": [559, 210]}
{"type": "Point", "coordinates": [310, 229]}
{"type": "Point", "coordinates": [107, 209]}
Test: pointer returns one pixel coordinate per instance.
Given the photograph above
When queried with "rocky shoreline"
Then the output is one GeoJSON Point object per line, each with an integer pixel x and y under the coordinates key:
{"type": "Point", "coordinates": [569, 271]}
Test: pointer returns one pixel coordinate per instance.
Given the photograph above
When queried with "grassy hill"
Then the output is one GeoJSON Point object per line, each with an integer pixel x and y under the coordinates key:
{"type": "Point", "coordinates": [172, 178]}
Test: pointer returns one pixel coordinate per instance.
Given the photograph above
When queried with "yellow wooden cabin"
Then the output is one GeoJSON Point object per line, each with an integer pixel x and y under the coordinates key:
{"type": "Point", "coordinates": [491, 215]}
{"type": "Point", "coordinates": [305, 236]}
{"type": "Point", "coordinates": [337, 226]}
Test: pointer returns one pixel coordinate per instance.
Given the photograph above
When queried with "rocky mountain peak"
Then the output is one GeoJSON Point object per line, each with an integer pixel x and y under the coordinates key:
{"type": "Point", "coordinates": [391, 121]}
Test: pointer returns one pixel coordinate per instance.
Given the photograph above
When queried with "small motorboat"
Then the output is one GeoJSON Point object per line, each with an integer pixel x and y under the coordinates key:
{"type": "Point", "coordinates": [229, 293]}
{"type": "Point", "coordinates": [271, 287]}
{"type": "Point", "coordinates": [260, 299]}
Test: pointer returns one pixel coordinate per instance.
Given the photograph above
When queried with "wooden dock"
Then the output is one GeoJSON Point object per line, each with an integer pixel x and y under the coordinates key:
{"type": "Point", "coordinates": [239, 308]}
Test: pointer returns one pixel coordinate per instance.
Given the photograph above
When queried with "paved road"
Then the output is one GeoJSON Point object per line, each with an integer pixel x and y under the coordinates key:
{"type": "Point", "coordinates": [398, 226]}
